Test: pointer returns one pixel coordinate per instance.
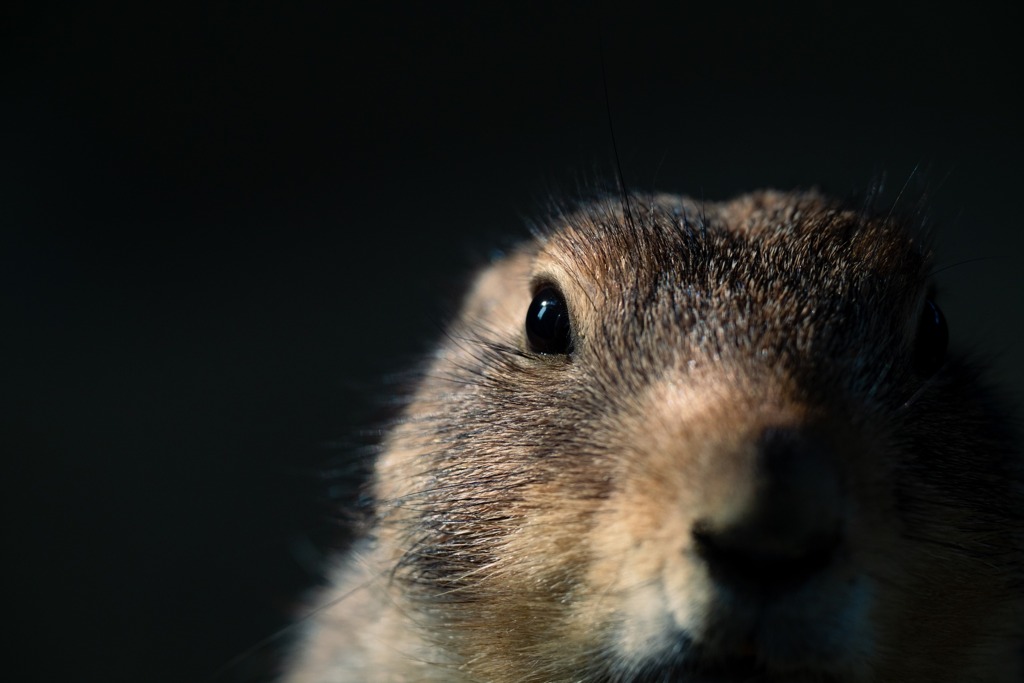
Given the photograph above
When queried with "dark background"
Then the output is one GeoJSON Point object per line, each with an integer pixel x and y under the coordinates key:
{"type": "Point", "coordinates": [222, 225]}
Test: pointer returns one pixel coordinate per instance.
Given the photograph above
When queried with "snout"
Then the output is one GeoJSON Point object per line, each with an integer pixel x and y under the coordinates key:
{"type": "Point", "coordinates": [735, 539]}
{"type": "Point", "coordinates": [788, 523]}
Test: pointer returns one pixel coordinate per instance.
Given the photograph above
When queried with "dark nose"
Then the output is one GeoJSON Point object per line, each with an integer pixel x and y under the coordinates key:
{"type": "Point", "coordinates": [791, 526]}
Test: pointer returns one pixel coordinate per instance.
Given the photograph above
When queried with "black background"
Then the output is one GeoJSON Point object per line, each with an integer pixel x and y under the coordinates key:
{"type": "Point", "coordinates": [223, 224]}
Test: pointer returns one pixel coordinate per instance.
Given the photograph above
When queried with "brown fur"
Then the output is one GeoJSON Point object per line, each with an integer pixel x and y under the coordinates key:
{"type": "Point", "coordinates": [536, 515]}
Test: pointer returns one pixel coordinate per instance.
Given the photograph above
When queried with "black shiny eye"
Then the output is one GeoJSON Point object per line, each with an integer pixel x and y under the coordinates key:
{"type": "Point", "coordinates": [548, 329]}
{"type": "Point", "coordinates": [932, 340]}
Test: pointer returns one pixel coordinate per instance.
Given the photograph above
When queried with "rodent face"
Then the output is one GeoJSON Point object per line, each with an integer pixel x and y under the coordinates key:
{"type": "Point", "coordinates": [735, 472]}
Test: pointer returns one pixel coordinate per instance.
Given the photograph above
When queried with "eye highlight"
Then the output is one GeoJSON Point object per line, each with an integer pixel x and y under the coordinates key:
{"type": "Point", "coordinates": [931, 341]}
{"type": "Point", "coordinates": [548, 328]}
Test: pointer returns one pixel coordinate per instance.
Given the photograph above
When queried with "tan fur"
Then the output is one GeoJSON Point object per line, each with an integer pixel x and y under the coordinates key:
{"type": "Point", "coordinates": [537, 516]}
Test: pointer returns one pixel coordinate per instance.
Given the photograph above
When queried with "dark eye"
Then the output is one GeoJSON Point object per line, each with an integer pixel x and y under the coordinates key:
{"type": "Point", "coordinates": [547, 323]}
{"type": "Point", "coordinates": [932, 340]}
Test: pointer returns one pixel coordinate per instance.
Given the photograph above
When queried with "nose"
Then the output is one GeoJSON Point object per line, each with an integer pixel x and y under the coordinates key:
{"type": "Point", "coordinates": [791, 525]}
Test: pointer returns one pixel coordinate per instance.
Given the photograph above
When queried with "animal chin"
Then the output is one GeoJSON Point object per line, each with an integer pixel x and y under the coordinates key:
{"type": "Point", "coordinates": [730, 670]}
{"type": "Point", "coordinates": [694, 663]}
{"type": "Point", "coordinates": [815, 632]}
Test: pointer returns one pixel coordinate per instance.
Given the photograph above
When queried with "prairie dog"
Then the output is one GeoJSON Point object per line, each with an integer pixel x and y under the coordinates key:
{"type": "Point", "coordinates": [669, 441]}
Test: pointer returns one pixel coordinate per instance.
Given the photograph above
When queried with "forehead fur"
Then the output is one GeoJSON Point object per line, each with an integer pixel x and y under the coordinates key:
{"type": "Point", "coordinates": [782, 231]}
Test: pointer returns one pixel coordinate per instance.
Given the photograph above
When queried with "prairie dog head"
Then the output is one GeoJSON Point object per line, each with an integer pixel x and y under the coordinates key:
{"type": "Point", "coordinates": [706, 443]}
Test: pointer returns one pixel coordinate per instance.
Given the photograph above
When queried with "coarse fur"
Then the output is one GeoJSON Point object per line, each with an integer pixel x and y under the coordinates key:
{"type": "Point", "coordinates": [734, 474]}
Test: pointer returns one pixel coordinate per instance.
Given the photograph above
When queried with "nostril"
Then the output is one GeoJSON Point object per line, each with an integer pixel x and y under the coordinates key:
{"type": "Point", "coordinates": [760, 565]}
